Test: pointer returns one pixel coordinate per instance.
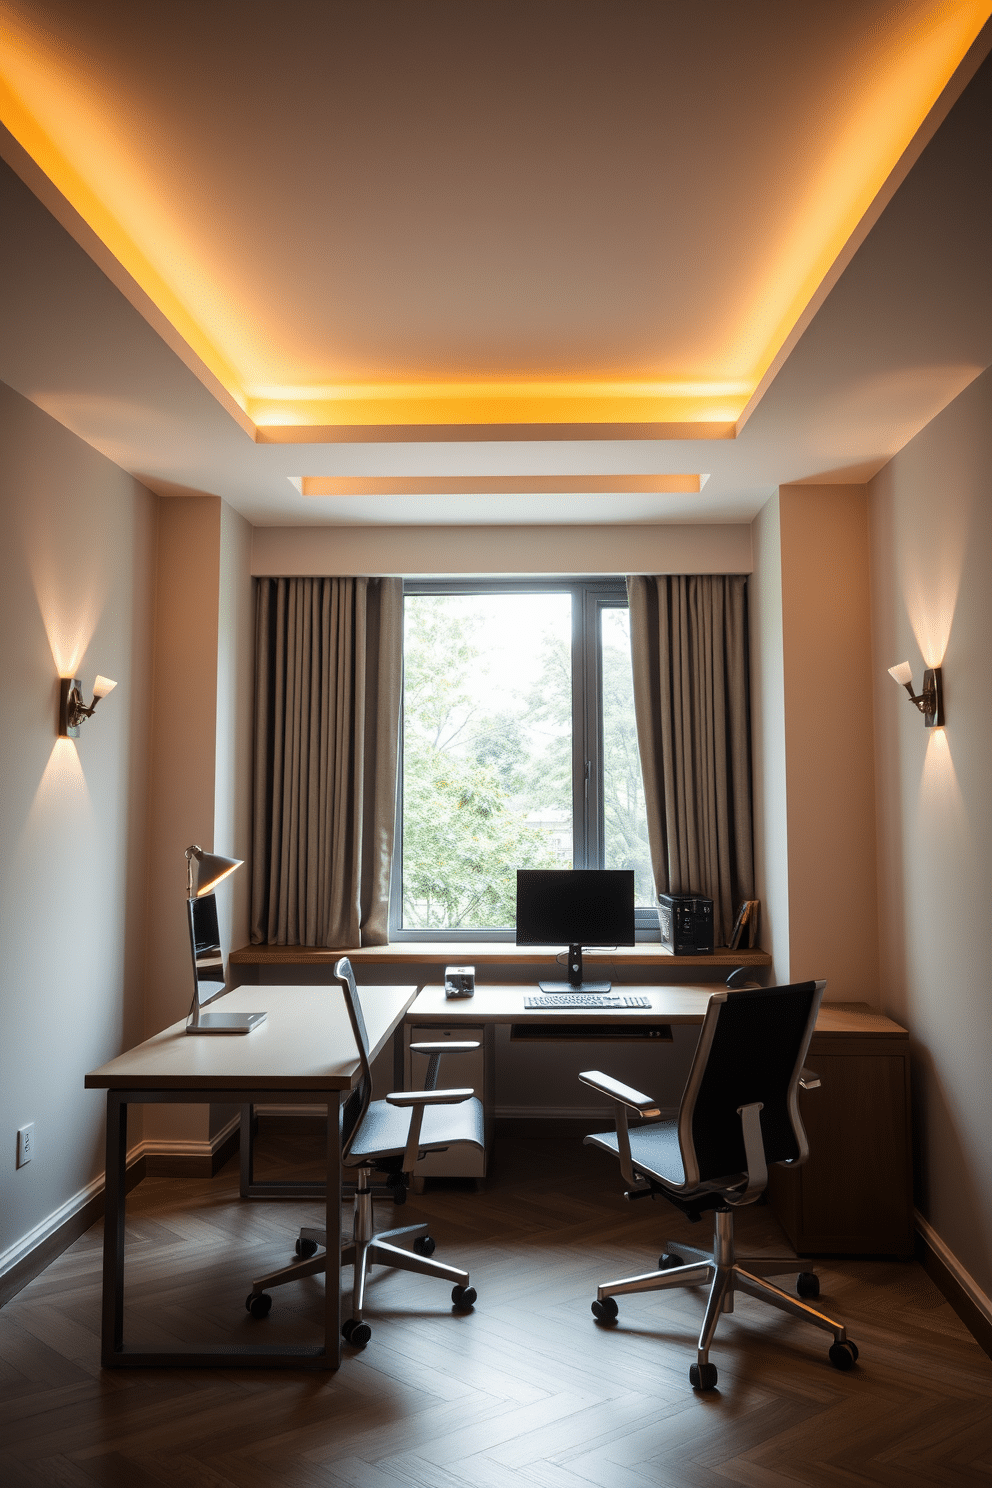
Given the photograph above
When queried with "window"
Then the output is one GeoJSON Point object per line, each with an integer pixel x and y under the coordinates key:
{"type": "Point", "coordinates": [519, 749]}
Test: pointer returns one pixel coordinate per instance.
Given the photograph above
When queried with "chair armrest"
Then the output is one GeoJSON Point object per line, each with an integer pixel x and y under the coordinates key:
{"type": "Point", "coordinates": [808, 1080]}
{"type": "Point", "coordinates": [429, 1097]}
{"type": "Point", "coordinates": [418, 1101]}
{"type": "Point", "coordinates": [642, 1105]}
{"type": "Point", "coordinates": [448, 1046]}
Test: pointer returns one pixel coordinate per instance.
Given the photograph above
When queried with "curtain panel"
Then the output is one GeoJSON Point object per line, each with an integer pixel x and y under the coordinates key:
{"type": "Point", "coordinates": [689, 649]}
{"type": "Point", "coordinates": [328, 660]}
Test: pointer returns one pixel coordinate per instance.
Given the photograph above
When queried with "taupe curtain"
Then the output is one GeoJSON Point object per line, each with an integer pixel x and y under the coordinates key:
{"type": "Point", "coordinates": [688, 641]}
{"type": "Point", "coordinates": [328, 658]}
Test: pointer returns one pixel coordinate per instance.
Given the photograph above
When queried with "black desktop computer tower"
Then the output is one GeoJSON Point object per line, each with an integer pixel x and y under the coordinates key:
{"type": "Point", "coordinates": [686, 924]}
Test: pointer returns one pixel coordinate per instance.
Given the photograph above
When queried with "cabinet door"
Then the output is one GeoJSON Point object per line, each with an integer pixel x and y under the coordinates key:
{"type": "Point", "coordinates": [852, 1196]}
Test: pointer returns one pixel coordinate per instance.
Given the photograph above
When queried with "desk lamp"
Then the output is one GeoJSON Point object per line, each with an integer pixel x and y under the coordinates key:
{"type": "Point", "coordinates": [204, 943]}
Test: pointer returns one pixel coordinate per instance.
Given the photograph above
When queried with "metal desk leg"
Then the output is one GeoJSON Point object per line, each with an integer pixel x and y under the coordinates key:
{"type": "Point", "coordinates": [247, 1150]}
{"type": "Point", "coordinates": [332, 1228]}
{"type": "Point", "coordinates": [114, 1216]}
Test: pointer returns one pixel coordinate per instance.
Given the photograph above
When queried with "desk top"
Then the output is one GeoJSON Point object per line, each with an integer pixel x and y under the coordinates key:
{"type": "Point", "coordinates": [305, 1043]}
{"type": "Point", "coordinates": [495, 1003]}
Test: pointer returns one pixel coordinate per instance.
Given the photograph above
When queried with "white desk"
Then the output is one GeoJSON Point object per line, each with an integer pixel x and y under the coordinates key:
{"type": "Point", "coordinates": [303, 1054]}
{"type": "Point", "coordinates": [494, 1002]}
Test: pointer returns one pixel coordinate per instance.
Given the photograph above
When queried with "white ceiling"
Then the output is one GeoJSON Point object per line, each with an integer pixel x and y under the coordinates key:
{"type": "Point", "coordinates": [545, 212]}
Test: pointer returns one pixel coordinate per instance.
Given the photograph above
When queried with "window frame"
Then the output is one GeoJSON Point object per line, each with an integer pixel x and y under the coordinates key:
{"type": "Point", "coordinates": [590, 595]}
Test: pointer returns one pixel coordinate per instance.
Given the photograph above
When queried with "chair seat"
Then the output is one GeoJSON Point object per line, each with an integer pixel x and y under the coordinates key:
{"type": "Point", "coordinates": [384, 1129]}
{"type": "Point", "coordinates": [654, 1151]}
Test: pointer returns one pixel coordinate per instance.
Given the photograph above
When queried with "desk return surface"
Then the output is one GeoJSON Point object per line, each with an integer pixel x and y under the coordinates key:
{"type": "Point", "coordinates": [299, 1046]}
{"type": "Point", "coordinates": [854, 1194]}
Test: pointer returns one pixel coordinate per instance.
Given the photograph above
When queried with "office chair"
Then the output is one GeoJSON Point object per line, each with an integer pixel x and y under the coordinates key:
{"type": "Point", "coordinates": [738, 1113]}
{"type": "Point", "coordinates": [386, 1136]}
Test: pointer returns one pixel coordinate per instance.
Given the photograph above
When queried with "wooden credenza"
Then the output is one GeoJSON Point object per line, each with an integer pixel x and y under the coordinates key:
{"type": "Point", "coordinates": [854, 1195]}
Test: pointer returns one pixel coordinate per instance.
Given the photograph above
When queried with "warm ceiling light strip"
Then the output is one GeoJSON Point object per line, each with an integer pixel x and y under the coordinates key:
{"type": "Point", "coordinates": [500, 485]}
{"type": "Point", "coordinates": [164, 309]}
{"type": "Point", "coordinates": [427, 433]}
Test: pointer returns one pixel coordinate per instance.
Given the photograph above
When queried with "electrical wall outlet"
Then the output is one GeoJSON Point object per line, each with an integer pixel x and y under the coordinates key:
{"type": "Point", "coordinates": [25, 1144]}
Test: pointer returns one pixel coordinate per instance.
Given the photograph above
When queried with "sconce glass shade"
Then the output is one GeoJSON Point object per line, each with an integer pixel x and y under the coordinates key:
{"type": "Point", "coordinates": [102, 686]}
{"type": "Point", "coordinates": [211, 868]}
{"type": "Point", "coordinates": [903, 674]}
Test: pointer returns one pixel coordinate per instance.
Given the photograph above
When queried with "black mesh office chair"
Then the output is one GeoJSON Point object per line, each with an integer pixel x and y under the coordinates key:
{"type": "Point", "coordinates": [386, 1136]}
{"type": "Point", "coordinates": [739, 1112]}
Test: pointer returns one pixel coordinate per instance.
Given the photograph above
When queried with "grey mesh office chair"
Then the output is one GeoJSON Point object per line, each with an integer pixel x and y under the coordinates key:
{"type": "Point", "coordinates": [739, 1112]}
{"type": "Point", "coordinates": [385, 1136]}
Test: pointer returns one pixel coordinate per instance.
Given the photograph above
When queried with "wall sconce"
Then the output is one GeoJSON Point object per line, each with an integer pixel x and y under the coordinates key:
{"type": "Point", "coordinates": [931, 700]}
{"type": "Point", "coordinates": [72, 710]}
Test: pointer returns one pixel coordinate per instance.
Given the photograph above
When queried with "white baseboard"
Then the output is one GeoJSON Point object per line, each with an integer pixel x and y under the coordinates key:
{"type": "Point", "coordinates": [186, 1147]}
{"type": "Point", "coordinates": [47, 1227]}
{"type": "Point", "coordinates": [964, 1279]}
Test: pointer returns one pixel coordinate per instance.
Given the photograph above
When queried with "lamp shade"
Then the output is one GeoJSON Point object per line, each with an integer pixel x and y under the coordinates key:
{"type": "Point", "coordinates": [210, 869]}
{"type": "Point", "coordinates": [102, 686]}
{"type": "Point", "coordinates": [903, 674]}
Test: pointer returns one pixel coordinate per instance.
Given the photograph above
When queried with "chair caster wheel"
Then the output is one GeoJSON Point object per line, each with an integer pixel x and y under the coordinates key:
{"type": "Point", "coordinates": [606, 1311]}
{"type": "Point", "coordinates": [463, 1297]}
{"type": "Point", "coordinates": [807, 1284]}
{"type": "Point", "coordinates": [843, 1355]}
{"type": "Point", "coordinates": [355, 1332]}
{"type": "Point", "coordinates": [424, 1245]}
{"type": "Point", "coordinates": [702, 1376]}
{"type": "Point", "coordinates": [258, 1304]}
{"type": "Point", "coordinates": [669, 1261]}
{"type": "Point", "coordinates": [306, 1248]}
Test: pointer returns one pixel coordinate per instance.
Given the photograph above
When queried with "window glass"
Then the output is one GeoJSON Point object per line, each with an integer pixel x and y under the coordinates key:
{"type": "Point", "coordinates": [519, 749]}
{"type": "Point", "coordinates": [487, 752]}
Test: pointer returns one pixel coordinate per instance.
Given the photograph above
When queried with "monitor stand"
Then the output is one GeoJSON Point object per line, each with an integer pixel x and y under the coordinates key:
{"type": "Point", "coordinates": [575, 982]}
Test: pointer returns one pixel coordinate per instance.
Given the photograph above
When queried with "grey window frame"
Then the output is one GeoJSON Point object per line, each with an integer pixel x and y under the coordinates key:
{"type": "Point", "coordinates": [590, 595]}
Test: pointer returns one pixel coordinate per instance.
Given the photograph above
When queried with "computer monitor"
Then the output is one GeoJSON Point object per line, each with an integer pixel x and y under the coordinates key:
{"type": "Point", "coordinates": [208, 972]}
{"type": "Point", "coordinates": [575, 907]}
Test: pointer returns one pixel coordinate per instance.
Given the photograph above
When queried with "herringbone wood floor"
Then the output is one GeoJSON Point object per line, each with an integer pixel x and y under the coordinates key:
{"type": "Point", "coordinates": [526, 1390]}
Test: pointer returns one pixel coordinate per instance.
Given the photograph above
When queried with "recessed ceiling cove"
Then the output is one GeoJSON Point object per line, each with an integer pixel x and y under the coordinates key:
{"type": "Point", "coordinates": [455, 220]}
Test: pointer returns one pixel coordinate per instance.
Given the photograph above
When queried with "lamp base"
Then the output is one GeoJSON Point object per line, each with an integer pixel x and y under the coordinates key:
{"type": "Point", "coordinates": [227, 1022]}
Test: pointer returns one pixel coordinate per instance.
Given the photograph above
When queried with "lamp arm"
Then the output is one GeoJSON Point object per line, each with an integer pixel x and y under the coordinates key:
{"type": "Point", "coordinates": [75, 711]}
{"type": "Point", "coordinates": [925, 700]}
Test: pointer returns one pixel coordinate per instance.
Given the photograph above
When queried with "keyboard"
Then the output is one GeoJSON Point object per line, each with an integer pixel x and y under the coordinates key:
{"type": "Point", "coordinates": [586, 1000]}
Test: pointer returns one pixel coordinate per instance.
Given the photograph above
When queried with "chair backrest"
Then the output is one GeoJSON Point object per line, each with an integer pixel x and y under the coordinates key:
{"type": "Point", "coordinates": [358, 1101]}
{"type": "Point", "coordinates": [751, 1048]}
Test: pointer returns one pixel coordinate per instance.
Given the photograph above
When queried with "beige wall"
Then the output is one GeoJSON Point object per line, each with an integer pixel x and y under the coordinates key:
{"type": "Point", "coordinates": [407, 551]}
{"type": "Point", "coordinates": [827, 692]}
{"type": "Point", "coordinates": [77, 549]}
{"type": "Point", "coordinates": [771, 837]}
{"type": "Point", "coordinates": [200, 764]}
{"type": "Point", "coordinates": [931, 544]}
{"type": "Point", "coordinates": [235, 692]}
{"type": "Point", "coordinates": [812, 739]}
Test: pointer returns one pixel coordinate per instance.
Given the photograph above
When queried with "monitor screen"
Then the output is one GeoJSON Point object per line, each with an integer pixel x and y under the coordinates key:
{"type": "Point", "coordinates": [204, 944]}
{"type": "Point", "coordinates": [575, 906]}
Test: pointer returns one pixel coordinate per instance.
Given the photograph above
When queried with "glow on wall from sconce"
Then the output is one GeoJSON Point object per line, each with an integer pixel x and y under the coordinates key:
{"type": "Point", "coordinates": [70, 603]}
{"type": "Point", "coordinates": [943, 820]}
{"type": "Point", "coordinates": [66, 118]}
{"type": "Point", "coordinates": [932, 578]}
{"type": "Point", "coordinates": [62, 803]}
